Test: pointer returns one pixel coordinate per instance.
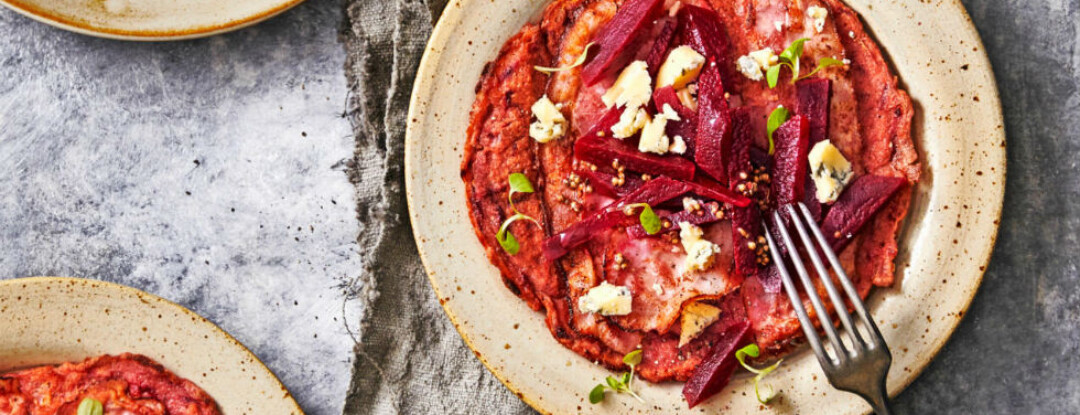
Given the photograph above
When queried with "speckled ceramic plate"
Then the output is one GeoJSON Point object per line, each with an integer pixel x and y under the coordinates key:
{"type": "Point", "coordinates": [150, 19]}
{"type": "Point", "coordinates": [944, 247]}
{"type": "Point", "coordinates": [50, 320]}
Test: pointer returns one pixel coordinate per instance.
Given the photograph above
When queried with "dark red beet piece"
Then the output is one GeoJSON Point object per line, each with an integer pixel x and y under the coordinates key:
{"type": "Point", "coordinates": [701, 30]}
{"type": "Point", "coordinates": [790, 169]}
{"type": "Point", "coordinates": [810, 199]}
{"type": "Point", "coordinates": [616, 41]}
{"type": "Point", "coordinates": [653, 192]}
{"type": "Point", "coordinates": [706, 215]}
{"type": "Point", "coordinates": [745, 221]}
{"type": "Point", "coordinates": [602, 151]}
{"type": "Point", "coordinates": [713, 141]}
{"type": "Point", "coordinates": [715, 371]}
{"type": "Point", "coordinates": [814, 95]}
{"type": "Point", "coordinates": [686, 127]}
{"type": "Point", "coordinates": [667, 95]}
{"type": "Point", "coordinates": [600, 180]}
{"type": "Point", "coordinates": [856, 205]}
{"type": "Point", "coordinates": [558, 245]}
{"type": "Point", "coordinates": [660, 48]}
{"type": "Point", "coordinates": [712, 190]}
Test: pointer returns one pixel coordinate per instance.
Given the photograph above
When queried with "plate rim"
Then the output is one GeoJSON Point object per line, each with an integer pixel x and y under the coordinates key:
{"type": "Point", "coordinates": [81, 27]}
{"type": "Point", "coordinates": [143, 295]}
{"type": "Point", "coordinates": [442, 33]}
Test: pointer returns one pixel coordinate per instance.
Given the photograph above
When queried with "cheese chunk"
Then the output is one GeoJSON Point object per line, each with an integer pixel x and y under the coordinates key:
{"type": "Point", "coordinates": [753, 64]}
{"type": "Point", "coordinates": [607, 300]}
{"type": "Point", "coordinates": [632, 89]}
{"type": "Point", "coordinates": [653, 138]}
{"type": "Point", "coordinates": [830, 171]}
{"type": "Point", "coordinates": [682, 66]}
{"type": "Point", "coordinates": [700, 253]}
{"type": "Point", "coordinates": [630, 122]}
{"type": "Point", "coordinates": [678, 145]}
{"type": "Point", "coordinates": [696, 317]}
{"type": "Point", "coordinates": [550, 123]}
{"type": "Point", "coordinates": [818, 15]}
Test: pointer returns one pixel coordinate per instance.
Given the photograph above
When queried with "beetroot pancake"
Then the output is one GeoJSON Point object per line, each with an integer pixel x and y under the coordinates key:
{"type": "Point", "coordinates": [125, 384]}
{"type": "Point", "coordinates": [621, 192]}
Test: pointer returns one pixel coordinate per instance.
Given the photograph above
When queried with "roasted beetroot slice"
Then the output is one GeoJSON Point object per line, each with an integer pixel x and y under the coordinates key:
{"type": "Point", "coordinates": [814, 95]}
{"type": "Point", "coordinates": [660, 48]}
{"type": "Point", "coordinates": [856, 205]}
{"type": "Point", "coordinates": [686, 127]}
{"type": "Point", "coordinates": [601, 182]}
{"type": "Point", "coordinates": [810, 199]}
{"type": "Point", "coordinates": [667, 95]}
{"type": "Point", "coordinates": [712, 190]}
{"type": "Point", "coordinates": [740, 153]}
{"type": "Point", "coordinates": [653, 192]}
{"type": "Point", "coordinates": [558, 245]}
{"type": "Point", "coordinates": [745, 221]}
{"type": "Point", "coordinates": [616, 41]}
{"type": "Point", "coordinates": [714, 373]}
{"type": "Point", "coordinates": [706, 215]}
{"type": "Point", "coordinates": [701, 30]}
{"type": "Point", "coordinates": [789, 170]}
{"type": "Point", "coordinates": [603, 151]}
{"type": "Point", "coordinates": [713, 141]}
{"type": "Point", "coordinates": [602, 126]}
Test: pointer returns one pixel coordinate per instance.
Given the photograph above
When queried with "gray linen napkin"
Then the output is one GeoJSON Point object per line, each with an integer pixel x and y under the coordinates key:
{"type": "Point", "coordinates": [410, 359]}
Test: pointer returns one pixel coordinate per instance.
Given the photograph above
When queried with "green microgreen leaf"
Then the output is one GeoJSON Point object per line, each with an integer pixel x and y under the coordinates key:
{"type": "Point", "coordinates": [627, 378]}
{"type": "Point", "coordinates": [506, 239]}
{"type": "Point", "coordinates": [752, 350]}
{"type": "Point", "coordinates": [778, 117]}
{"type": "Point", "coordinates": [614, 384]}
{"type": "Point", "coordinates": [90, 406]}
{"type": "Point", "coordinates": [519, 183]}
{"type": "Point", "coordinates": [822, 64]}
{"type": "Point", "coordinates": [648, 218]}
{"type": "Point", "coordinates": [578, 62]}
{"type": "Point", "coordinates": [773, 75]}
{"type": "Point", "coordinates": [597, 394]}
{"type": "Point", "coordinates": [633, 358]}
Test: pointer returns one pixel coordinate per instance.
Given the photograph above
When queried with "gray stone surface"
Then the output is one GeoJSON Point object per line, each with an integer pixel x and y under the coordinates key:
{"type": "Point", "coordinates": [1018, 349]}
{"type": "Point", "coordinates": [210, 172]}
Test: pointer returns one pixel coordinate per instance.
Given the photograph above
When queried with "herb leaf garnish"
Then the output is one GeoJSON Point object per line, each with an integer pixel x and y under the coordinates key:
{"type": "Point", "coordinates": [779, 116]}
{"type": "Point", "coordinates": [790, 57]}
{"type": "Point", "coordinates": [580, 60]}
{"type": "Point", "coordinates": [90, 406]}
{"type": "Point", "coordinates": [623, 384]}
{"type": "Point", "coordinates": [752, 350]}
{"type": "Point", "coordinates": [648, 218]}
{"type": "Point", "coordinates": [519, 183]}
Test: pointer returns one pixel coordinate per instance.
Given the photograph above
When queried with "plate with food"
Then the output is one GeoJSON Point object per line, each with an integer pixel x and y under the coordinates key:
{"type": "Point", "coordinates": [150, 19]}
{"type": "Point", "coordinates": [72, 345]}
{"type": "Point", "coordinates": [588, 183]}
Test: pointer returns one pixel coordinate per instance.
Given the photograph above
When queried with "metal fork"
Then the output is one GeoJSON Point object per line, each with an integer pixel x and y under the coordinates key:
{"type": "Point", "coordinates": [859, 365]}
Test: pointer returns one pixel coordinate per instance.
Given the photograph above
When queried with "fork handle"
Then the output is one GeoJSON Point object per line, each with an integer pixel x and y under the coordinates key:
{"type": "Point", "coordinates": [880, 403]}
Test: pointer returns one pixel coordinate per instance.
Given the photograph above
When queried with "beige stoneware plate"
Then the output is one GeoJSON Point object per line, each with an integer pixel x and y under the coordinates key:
{"type": "Point", "coordinates": [945, 245]}
{"type": "Point", "coordinates": [150, 19]}
{"type": "Point", "coordinates": [48, 320]}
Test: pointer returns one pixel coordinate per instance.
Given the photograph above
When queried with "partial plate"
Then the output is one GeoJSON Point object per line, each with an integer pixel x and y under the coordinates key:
{"type": "Point", "coordinates": [944, 247]}
{"type": "Point", "coordinates": [50, 320]}
{"type": "Point", "coordinates": [150, 19]}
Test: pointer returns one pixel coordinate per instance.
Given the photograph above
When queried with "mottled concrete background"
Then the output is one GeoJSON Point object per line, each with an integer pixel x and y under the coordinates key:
{"type": "Point", "coordinates": [98, 148]}
{"type": "Point", "coordinates": [209, 172]}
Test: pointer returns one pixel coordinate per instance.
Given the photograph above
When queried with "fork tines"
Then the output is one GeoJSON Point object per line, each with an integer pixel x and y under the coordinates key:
{"type": "Point", "coordinates": [863, 360]}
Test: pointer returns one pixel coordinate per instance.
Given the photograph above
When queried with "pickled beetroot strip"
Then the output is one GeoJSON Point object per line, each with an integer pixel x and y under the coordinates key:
{"type": "Point", "coordinates": [660, 48]}
{"type": "Point", "coordinates": [747, 219]}
{"type": "Point", "coordinates": [602, 183]}
{"type": "Point", "coordinates": [789, 161]}
{"type": "Point", "coordinates": [672, 221]}
{"type": "Point", "coordinates": [617, 40]}
{"type": "Point", "coordinates": [603, 151]}
{"type": "Point", "coordinates": [701, 29]}
{"type": "Point", "coordinates": [856, 205]}
{"type": "Point", "coordinates": [715, 371]}
{"type": "Point", "coordinates": [814, 95]}
{"type": "Point", "coordinates": [713, 140]}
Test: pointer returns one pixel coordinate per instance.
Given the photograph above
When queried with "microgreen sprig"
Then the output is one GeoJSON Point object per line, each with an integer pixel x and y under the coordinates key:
{"type": "Point", "coordinates": [752, 350]}
{"type": "Point", "coordinates": [580, 60]}
{"type": "Point", "coordinates": [622, 384]}
{"type": "Point", "coordinates": [648, 217]}
{"type": "Point", "coordinates": [90, 406]}
{"type": "Point", "coordinates": [519, 183]}
{"type": "Point", "coordinates": [790, 57]}
{"type": "Point", "coordinates": [779, 116]}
